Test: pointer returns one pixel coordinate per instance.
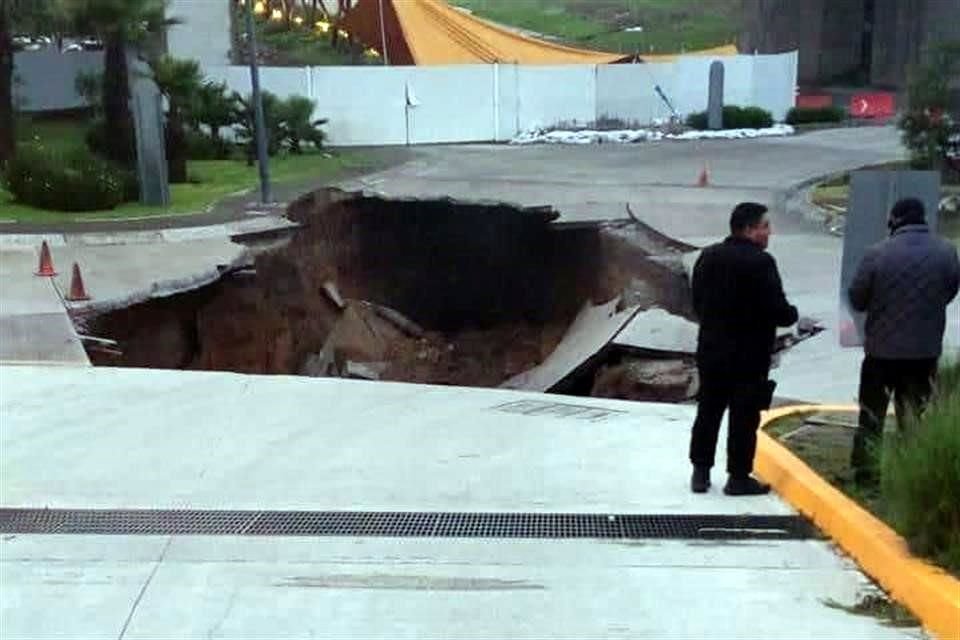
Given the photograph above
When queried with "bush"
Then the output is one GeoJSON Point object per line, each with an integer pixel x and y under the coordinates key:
{"type": "Point", "coordinates": [734, 117]}
{"type": "Point", "coordinates": [807, 115]}
{"type": "Point", "coordinates": [73, 182]}
{"type": "Point", "coordinates": [926, 126]}
{"type": "Point", "coordinates": [297, 124]}
{"type": "Point", "coordinates": [920, 477]}
{"type": "Point", "coordinates": [202, 146]}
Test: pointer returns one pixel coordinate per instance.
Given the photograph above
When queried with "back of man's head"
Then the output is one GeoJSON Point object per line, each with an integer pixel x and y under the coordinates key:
{"type": "Point", "coordinates": [907, 211]}
{"type": "Point", "coordinates": [746, 215]}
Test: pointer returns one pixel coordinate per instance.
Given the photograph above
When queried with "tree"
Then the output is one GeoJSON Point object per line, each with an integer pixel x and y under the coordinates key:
{"type": "Point", "coordinates": [120, 24]}
{"type": "Point", "coordinates": [297, 125]}
{"type": "Point", "coordinates": [15, 16]}
{"type": "Point", "coordinates": [927, 126]}
{"type": "Point", "coordinates": [179, 81]}
{"type": "Point", "coordinates": [216, 109]}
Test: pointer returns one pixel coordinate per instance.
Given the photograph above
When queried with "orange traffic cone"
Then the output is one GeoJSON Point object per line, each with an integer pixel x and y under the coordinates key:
{"type": "Point", "coordinates": [46, 262]}
{"type": "Point", "coordinates": [77, 291]}
{"type": "Point", "coordinates": [704, 179]}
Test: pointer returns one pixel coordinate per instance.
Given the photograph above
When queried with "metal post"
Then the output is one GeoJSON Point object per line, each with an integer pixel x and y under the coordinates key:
{"type": "Point", "coordinates": [259, 126]}
{"type": "Point", "coordinates": [383, 37]}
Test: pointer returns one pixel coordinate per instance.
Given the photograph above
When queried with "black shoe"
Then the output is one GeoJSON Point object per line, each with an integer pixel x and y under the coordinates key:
{"type": "Point", "coordinates": [745, 486]}
{"type": "Point", "coordinates": [700, 481]}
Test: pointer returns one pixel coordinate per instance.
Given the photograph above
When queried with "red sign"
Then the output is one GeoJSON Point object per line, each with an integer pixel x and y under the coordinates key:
{"type": "Point", "coordinates": [872, 105]}
{"type": "Point", "coordinates": [814, 101]}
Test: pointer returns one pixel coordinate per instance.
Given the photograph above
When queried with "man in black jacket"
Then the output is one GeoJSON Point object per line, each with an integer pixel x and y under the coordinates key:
{"type": "Point", "coordinates": [904, 285]}
{"type": "Point", "coordinates": [739, 299]}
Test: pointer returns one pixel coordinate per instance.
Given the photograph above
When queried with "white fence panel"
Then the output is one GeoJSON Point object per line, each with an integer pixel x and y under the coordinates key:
{"type": "Point", "coordinates": [450, 104]}
{"type": "Point", "coordinates": [365, 105]}
{"type": "Point", "coordinates": [775, 82]}
{"type": "Point", "coordinates": [628, 91]}
{"type": "Point", "coordinates": [549, 95]}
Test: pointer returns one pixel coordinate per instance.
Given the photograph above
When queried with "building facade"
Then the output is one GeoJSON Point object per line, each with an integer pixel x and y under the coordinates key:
{"type": "Point", "coordinates": [872, 42]}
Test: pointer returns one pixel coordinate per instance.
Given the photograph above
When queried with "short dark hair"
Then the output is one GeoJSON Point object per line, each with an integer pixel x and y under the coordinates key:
{"type": "Point", "coordinates": [746, 215]}
{"type": "Point", "coordinates": [908, 211]}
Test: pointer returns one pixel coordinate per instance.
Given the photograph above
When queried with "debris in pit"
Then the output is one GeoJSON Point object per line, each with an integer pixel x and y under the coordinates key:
{"type": "Point", "coordinates": [657, 330]}
{"type": "Point", "coordinates": [360, 335]}
{"type": "Point", "coordinates": [592, 330]}
{"type": "Point", "coordinates": [673, 381]}
{"type": "Point", "coordinates": [333, 293]}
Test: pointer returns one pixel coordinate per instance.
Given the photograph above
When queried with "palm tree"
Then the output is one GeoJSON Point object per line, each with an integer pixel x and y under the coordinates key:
{"type": "Point", "coordinates": [15, 15]}
{"type": "Point", "coordinates": [180, 81]}
{"type": "Point", "coordinates": [120, 24]}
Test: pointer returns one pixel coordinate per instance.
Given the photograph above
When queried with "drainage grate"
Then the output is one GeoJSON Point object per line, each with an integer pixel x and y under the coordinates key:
{"type": "Point", "coordinates": [558, 410]}
{"type": "Point", "coordinates": [402, 524]}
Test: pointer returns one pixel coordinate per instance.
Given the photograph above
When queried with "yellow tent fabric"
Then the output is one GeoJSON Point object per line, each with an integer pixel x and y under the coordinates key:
{"type": "Point", "coordinates": [431, 32]}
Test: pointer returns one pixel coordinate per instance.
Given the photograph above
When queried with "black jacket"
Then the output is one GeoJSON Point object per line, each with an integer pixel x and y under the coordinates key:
{"type": "Point", "coordinates": [904, 284]}
{"type": "Point", "coordinates": [739, 299]}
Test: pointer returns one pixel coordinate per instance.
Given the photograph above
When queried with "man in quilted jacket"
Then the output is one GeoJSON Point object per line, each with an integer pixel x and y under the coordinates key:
{"type": "Point", "coordinates": [904, 285]}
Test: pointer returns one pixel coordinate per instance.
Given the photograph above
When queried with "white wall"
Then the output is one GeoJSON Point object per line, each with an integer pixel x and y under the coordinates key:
{"type": "Point", "coordinates": [775, 82]}
{"type": "Point", "coordinates": [365, 106]}
{"type": "Point", "coordinates": [454, 103]}
{"type": "Point", "coordinates": [627, 91]}
{"type": "Point", "coordinates": [551, 94]}
{"type": "Point", "coordinates": [478, 103]}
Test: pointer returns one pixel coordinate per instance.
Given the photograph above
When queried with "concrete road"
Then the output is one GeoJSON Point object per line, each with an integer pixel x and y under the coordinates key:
{"type": "Point", "coordinates": [74, 437]}
{"type": "Point", "coordinates": [83, 437]}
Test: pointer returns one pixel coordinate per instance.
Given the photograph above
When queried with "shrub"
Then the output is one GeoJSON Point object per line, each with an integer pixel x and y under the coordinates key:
{"type": "Point", "coordinates": [735, 117]}
{"type": "Point", "coordinates": [806, 115]}
{"type": "Point", "coordinates": [72, 182]}
{"type": "Point", "coordinates": [297, 124]}
{"type": "Point", "coordinates": [289, 124]}
{"type": "Point", "coordinates": [697, 120]}
{"type": "Point", "coordinates": [245, 129]}
{"type": "Point", "coordinates": [920, 477]}
{"type": "Point", "coordinates": [96, 137]}
{"type": "Point", "coordinates": [203, 146]}
{"type": "Point", "coordinates": [926, 126]}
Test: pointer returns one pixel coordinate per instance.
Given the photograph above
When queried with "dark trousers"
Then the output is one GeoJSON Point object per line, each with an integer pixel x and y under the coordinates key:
{"type": "Point", "coordinates": [722, 389]}
{"type": "Point", "coordinates": [911, 384]}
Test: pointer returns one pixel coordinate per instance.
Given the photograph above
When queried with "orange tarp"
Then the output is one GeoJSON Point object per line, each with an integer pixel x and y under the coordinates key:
{"type": "Point", "coordinates": [430, 32]}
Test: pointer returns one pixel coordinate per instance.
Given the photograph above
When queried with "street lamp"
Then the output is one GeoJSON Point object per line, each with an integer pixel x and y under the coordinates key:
{"type": "Point", "coordinates": [260, 130]}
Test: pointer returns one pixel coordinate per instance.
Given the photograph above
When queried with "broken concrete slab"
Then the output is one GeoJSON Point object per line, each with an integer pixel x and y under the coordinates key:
{"type": "Point", "coordinates": [360, 335]}
{"type": "Point", "coordinates": [592, 330]}
{"type": "Point", "coordinates": [399, 320]}
{"type": "Point", "coordinates": [333, 294]}
{"type": "Point", "coordinates": [364, 370]}
{"type": "Point", "coordinates": [657, 330]}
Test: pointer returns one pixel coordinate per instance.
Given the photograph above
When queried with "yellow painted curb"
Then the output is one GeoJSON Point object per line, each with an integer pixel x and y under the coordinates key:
{"type": "Point", "coordinates": [929, 592]}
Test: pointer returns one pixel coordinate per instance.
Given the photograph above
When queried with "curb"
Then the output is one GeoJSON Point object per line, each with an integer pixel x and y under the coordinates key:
{"type": "Point", "coordinates": [929, 592]}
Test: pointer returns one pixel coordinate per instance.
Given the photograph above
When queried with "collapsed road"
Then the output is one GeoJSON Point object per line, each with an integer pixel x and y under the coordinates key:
{"type": "Point", "coordinates": [432, 291]}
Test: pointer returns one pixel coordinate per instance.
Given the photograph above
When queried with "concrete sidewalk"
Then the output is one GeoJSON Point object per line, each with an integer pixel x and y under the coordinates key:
{"type": "Point", "coordinates": [227, 441]}
{"type": "Point", "coordinates": [119, 269]}
{"type": "Point", "coordinates": [34, 326]}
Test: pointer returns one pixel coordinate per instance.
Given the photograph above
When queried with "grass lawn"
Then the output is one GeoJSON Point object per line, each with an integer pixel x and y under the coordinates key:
{"type": "Point", "coordinates": [919, 488]}
{"type": "Point", "coordinates": [836, 197]}
{"type": "Point", "coordinates": [213, 179]}
{"type": "Point", "coordinates": [669, 26]}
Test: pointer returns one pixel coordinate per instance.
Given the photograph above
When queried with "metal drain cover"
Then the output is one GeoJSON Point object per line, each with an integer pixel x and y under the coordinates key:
{"type": "Point", "coordinates": [401, 524]}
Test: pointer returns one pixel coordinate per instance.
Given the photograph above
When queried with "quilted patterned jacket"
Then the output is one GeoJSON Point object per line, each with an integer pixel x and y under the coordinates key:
{"type": "Point", "coordinates": [904, 285]}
